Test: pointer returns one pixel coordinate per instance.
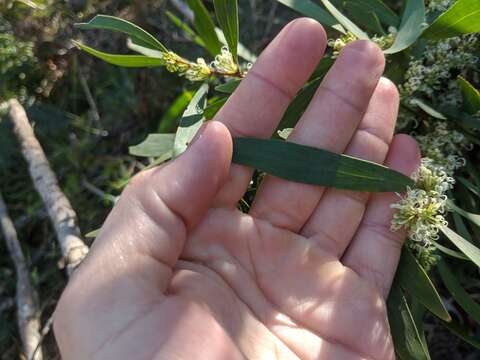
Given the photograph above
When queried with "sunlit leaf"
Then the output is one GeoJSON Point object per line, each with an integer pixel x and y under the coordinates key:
{"type": "Point", "coordinates": [463, 245]}
{"type": "Point", "coordinates": [310, 165]}
{"type": "Point", "coordinates": [344, 21]}
{"type": "Point", "coordinates": [136, 33]}
{"type": "Point", "coordinates": [461, 18]}
{"type": "Point", "coordinates": [122, 60]}
{"type": "Point", "coordinates": [474, 218]}
{"type": "Point", "coordinates": [204, 26]}
{"type": "Point", "coordinates": [191, 121]}
{"type": "Point", "coordinates": [227, 17]}
{"type": "Point", "coordinates": [415, 281]}
{"type": "Point", "coordinates": [411, 27]}
{"type": "Point", "coordinates": [154, 145]}
{"type": "Point", "coordinates": [310, 9]}
{"type": "Point", "coordinates": [450, 252]}
{"type": "Point", "coordinates": [471, 95]}
{"type": "Point", "coordinates": [427, 108]}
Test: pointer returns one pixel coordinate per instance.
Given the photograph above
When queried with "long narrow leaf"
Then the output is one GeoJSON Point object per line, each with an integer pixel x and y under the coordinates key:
{"type": "Point", "coordinates": [310, 9]}
{"type": "Point", "coordinates": [169, 120]}
{"type": "Point", "coordinates": [346, 23]}
{"type": "Point", "coordinates": [378, 7]}
{"type": "Point", "coordinates": [474, 218]}
{"type": "Point", "coordinates": [138, 35]}
{"type": "Point", "coordinates": [462, 333]}
{"type": "Point", "coordinates": [406, 337]}
{"type": "Point", "coordinates": [191, 121]}
{"type": "Point", "coordinates": [415, 281]}
{"type": "Point", "coordinates": [450, 252]}
{"type": "Point", "coordinates": [471, 307]}
{"type": "Point", "coordinates": [411, 28]}
{"type": "Point", "coordinates": [227, 17]}
{"type": "Point", "coordinates": [316, 166]}
{"type": "Point", "coordinates": [122, 60]}
{"type": "Point", "coordinates": [205, 28]}
{"type": "Point", "coordinates": [461, 18]}
{"type": "Point", "coordinates": [471, 96]}
{"type": "Point", "coordinates": [463, 245]}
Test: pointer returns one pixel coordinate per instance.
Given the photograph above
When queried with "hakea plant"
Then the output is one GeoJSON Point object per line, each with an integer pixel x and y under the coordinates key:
{"type": "Point", "coordinates": [440, 41]}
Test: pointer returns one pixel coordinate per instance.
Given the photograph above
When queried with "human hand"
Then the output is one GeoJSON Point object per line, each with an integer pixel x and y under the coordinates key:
{"type": "Point", "coordinates": [178, 272]}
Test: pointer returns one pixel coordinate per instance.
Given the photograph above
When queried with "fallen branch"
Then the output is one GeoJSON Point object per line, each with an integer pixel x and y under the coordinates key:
{"type": "Point", "coordinates": [28, 313]}
{"type": "Point", "coordinates": [59, 209]}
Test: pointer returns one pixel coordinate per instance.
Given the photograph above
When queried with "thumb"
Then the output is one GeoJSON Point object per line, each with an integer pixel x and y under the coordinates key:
{"type": "Point", "coordinates": [130, 263]}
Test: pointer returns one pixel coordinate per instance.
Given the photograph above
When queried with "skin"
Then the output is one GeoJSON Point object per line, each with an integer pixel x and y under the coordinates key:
{"type": "Point", "coordinates": [178, 273]}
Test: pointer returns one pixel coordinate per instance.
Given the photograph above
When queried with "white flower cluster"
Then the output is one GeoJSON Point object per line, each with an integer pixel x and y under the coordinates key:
{"type": "Point", "coordinates": [383, 42]}
{"type": "Point", "coordinates": [444, 147]}
{"type": "Point", "coordinates": [224, 64]}
{"type": "Point", "coordinates": [428, 73]}
{"type": "Point", "coordinates": [421, 210]}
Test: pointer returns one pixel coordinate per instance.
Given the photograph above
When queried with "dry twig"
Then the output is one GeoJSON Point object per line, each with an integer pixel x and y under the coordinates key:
{"type": "Point", "coordinates": [28, 313]}
{"type": "Point", "coordinates": [59, 209]}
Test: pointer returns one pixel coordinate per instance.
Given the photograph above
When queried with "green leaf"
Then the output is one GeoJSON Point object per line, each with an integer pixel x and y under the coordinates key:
{"type": "Point", "coordinates": [471, 95]}
{"type": "Point", "coordinates": [463, 245]}
{"type": "Point", "coordinates": [310, 9]}
{"type": "Point", "coordinates": [229, 87]}
{"type": "Point", "coordinates": [427, 108]}
{"type": "Point", "coordinates": [285, 133]}
{"type": "Point", "coordinates": [298, 105]}
{"type": "Point", "coordinates": [93, 233]}
{"type": "Point", "coordinates": [407, 339]}
{"type": "Point", "coordinates": [474, 218]}
{"type": "Point", "coordinates": [450, 252]}
{"type": "Point", "coordinates": [346, 23]}
{"type": "Point", "coordinates": [461, 18]}
{"type": "Point", "coordinates": [364, 17]}
{"type": "Point", "coordinates": [460, 227]}
{"type": "Point", "coordinates": [462, 118]}
{"type": "Point", "coordinates": [205, 27]}
{"type": "Point", "coordinates": [462, 333]}
{"type": "Point", "coordinates": [415, 281]}
{"type": "Point", "coordinates": [377, 7]}
{"type": "Point", "coordinates": [122, 60]}
{"type": "Point", "coordinates": [191, 121]}
{"type": "Point", "coordinates": [154, 145]}
{"type": "Point", "coordinates": [136, 33]}
{"type": "Point", "coordinates": [168, 122]}
{"type": "Point", "coordinates": [471, 307]}
{"type": "Point", "coordinates": [316, 166]}
{"type": "Point", "coordinates": [185, 28]}
{"type": "Point", "coordinates": [227, 17]}
{"type": "Point", "coordinates": [411, 27]}
{"type": "Point", "coordinates": [212, 109]}
{"type": "Point", "coordinates": [471, 187]}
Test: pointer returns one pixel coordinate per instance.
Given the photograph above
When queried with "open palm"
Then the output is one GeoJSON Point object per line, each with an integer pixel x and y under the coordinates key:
{"type": "Point", "coordinates": [179, 273]}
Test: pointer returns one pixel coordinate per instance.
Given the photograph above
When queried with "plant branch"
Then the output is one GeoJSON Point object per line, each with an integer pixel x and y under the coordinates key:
{"type": "Point", "coordinates": [28, 313]}
{"type": "Point", "coordinates": [59, 209]}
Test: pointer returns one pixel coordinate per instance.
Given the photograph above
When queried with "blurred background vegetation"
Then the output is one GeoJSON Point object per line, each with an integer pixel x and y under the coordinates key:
{"type": "Point", "coordinates": [87, 113]}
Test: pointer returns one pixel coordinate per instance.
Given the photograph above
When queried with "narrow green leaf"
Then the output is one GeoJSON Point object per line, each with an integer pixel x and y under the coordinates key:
{"type": "Point", "coordinates": [463, 245]}
{"type": "Point", "coordinates": [169, 120]}
{"type": "Point", "coordinates": [227, 17]}
{"type": "Point", "coordinates": [406, 336]}
{"type": "Point", "coordinates": [122, 60]}
{"type": "Point", "coordinates": [154, 145]}
{"type": "Point", "coordinates": [462, 333]}
{"type": "Point", "coordinates": [93, 233]}
{"type": "Point", "coordinates": [310, 9]}
{"type": "Point", "coordinates": [450, 252]}
{"type": "Point", "coordinates": [212, 109]}
{"type": "Point", "coordinates": [471, 187]}
{"type": "Point", "coordinates": [411, 27]}
{"type": "Point", "coordinates": [191, 34]}
{"type": "Point", "coordinates": [243, 51]}
{"type": "Point", "coordinates": [462, 118]}
{"type": "Point", "coordinates": [229, 87]}
{"type": "Point", "coordinates": [461, 18]}
{"type": "Point", "coordinates": [205, 28]}
{"type": "Point", "coordinates": [385, 14]}
{"type": "Point", "coordinates": [191, 121]}
{"type": "Point", "coordinates": [460, 227]}
{"type": "Point", "coordinates": [474, 218]}
{"type": "Point", "coordinates": [138, 35]}
{"type": "Point", "coordinates": [316, 166]}
{"type": "Point", "coordinates": [364, 17]}
{"type": "Point", "coordinates": [471, 95]}
{"type": "Point", "coordinates": [415, 281]}
{"type": "Point", "coordinates": [471, 307]}
{"type": "Point", "coordinates": [346, 23]}
{"type": "Point", "coordinates": [427, 108]}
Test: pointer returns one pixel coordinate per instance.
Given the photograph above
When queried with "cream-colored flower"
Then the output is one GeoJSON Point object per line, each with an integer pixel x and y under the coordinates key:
{"type": "Point", "coordinates": [224, 62]}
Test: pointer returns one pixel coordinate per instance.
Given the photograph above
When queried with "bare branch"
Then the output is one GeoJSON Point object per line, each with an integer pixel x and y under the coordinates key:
{"type": "Point", "coordinates": [59, 209]}
{"type": "Point", "coordinates": [28, 313]}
